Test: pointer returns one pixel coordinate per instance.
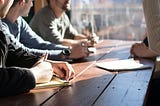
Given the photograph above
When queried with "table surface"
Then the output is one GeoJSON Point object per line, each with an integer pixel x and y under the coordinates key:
{"type": "Point", "coordinates": [93, 86]}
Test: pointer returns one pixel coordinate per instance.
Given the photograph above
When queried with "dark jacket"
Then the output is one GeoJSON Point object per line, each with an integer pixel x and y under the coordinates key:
{"type": "Point", "coordinates": [15, 77]}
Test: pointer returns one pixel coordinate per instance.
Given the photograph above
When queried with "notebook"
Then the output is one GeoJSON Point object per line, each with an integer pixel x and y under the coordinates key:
{"type": "Point", "coordinates": [53, 83]}
{"type": "Point", "coordinates": [122, 65]}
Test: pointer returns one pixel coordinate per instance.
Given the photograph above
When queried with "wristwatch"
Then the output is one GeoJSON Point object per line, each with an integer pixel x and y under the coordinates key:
{"type": "Point", "coordinates": [66, 53]}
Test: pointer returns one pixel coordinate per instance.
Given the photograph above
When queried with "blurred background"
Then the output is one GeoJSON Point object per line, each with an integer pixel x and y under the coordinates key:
{"type": "Point", "coordinates": [109, 19]}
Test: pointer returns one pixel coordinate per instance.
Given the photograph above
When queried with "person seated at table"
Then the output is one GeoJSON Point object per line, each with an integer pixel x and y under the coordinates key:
{"type": "Point", "coordinates": [152, 17]}
{"type": "Point", "coordinates": [22, 35]}
{"type": "Point", "coordinates": [52, 23]}
{"type": "Point", "coordinates": [150, 47]}
{"type": "Point", "coordinates": [21, 70]}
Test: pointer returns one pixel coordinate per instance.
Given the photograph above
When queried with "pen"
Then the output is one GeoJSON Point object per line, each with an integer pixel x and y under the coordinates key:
{"type": "Point", "coordinates": [45, 57]}
{"type": "Point", "coordinates": [41, 59]}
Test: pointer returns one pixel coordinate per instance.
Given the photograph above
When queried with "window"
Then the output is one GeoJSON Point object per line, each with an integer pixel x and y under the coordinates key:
{"type": "Point", "coordinates": [109, 19]}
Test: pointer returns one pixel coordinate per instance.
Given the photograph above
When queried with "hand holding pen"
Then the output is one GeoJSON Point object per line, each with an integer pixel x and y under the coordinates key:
{"type": "Point", "coordinates": [42, 70]}
{"type": "Point", "coordinates": [60, 68]}
{"type": "Point", "coordinates": [93, 38]}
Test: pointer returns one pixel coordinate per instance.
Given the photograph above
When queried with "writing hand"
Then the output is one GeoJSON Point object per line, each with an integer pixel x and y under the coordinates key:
{"type": "Point", "coordinates": [42, 70]}
{"type": "Point", "coordinates": [62, 69]}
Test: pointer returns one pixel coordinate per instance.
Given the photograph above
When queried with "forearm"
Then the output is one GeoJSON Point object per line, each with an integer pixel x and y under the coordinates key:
{"type": "Point", "coordinates": [68, 42]}
{"type": "Point", "coordinates": [20, 58]}
{"type": "Point", "coordinates": [53, 54]}
{"type": "Point", "coordinates": [150, 53]}
{"type": "Point", "coordinates": [80, 36]}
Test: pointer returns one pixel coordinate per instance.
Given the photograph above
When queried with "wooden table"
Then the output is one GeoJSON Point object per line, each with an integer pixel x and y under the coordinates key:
{"type": "Point", "coordinates": [94, 86]}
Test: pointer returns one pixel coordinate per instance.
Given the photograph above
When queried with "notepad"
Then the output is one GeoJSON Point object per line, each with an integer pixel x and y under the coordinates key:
{"type": "Point", "coordinates": [53, 83]}
{"type": "Point", "coordinates": [122, 65]}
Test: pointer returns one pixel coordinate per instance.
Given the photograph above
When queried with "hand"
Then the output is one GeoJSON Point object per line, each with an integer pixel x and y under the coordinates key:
{"type": "Point", "coordinates": [141, 50]}
{"type": "Point", "coordinates": [93, 39]}
{"type": "Point", "coordinates": [62, 69]}
{"type": "Point", "coordinates": [79, 50]}
{"type": "Point", "coordinates": [42, 70]}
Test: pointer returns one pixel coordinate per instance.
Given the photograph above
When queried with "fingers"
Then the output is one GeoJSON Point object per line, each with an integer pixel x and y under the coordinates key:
{"type": "Point", "coordinates": [93, 39]}
{"type": "Point", "coordinates": [43, 57]}
{"type": "Point", "coordinates": [138, 49]}
{"type": "Point", "coordinates": [64, 70]}
{"type": "Point", "coordinates": [85, 48]}
{"type": "Point", "coordinates": [134, 46]}
{"type": "Point", "coordinates": [70, 73]}
{"type": "Point", "coordinates": [59, 71]}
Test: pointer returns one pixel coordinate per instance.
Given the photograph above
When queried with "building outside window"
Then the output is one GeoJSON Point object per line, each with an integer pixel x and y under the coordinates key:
{"type": "Point", "coordinates": [109, 19]}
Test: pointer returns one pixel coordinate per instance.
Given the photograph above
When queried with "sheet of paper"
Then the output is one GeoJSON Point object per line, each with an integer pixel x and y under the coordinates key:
{"type": "Point", "coordinates": [122, 65]}
{"type": "Point", "coordinates": [53, 83]}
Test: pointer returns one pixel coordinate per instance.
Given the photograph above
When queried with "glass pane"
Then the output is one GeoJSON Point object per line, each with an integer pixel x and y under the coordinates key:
{"type": "Point", "coordinates": [109, 19]}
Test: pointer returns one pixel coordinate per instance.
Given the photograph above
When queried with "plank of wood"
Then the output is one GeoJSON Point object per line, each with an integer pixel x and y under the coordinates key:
{"type": "Point", "coordinates": [85, 89]}
{"type": "Point", "coordinates": [34, 98]}
{"type": "Point", "coordinates": [128, 88]}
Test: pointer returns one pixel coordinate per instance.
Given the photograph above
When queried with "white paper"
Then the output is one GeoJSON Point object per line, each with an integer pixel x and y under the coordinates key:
{"type": "Point", "coordinates": [127, 64]}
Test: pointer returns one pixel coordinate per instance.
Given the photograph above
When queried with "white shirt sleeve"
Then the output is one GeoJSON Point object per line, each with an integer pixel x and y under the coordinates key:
{"type": "Point", "coordinates": [152, 17]}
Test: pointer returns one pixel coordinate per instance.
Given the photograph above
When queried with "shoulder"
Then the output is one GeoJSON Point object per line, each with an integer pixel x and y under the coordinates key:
{"type": "Point", "coordinates": [65, 16]}
{"type": "Point", "coordinates": [44, 15]}
{"type": "Point", "coordinates": [21, 22]}
{"type": "Point", "coordinates": [6, 24]}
